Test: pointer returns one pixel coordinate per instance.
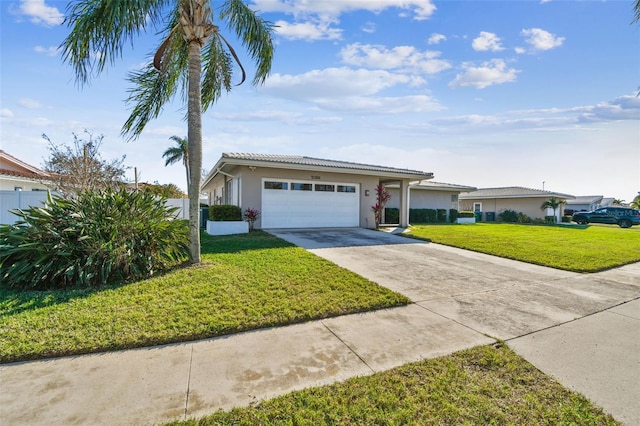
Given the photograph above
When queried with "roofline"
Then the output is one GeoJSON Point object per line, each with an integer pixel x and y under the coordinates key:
{"type": "Point", "coordinates": [490, 197]}
{"type": "Point", "coordinates": [21, 163]}
{"type": "Point", "coordinates": [224, 161]}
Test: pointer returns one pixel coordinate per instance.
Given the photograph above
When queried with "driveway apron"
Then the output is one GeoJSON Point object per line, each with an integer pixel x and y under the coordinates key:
{"type": "Point", "coordinates": [583, 329]}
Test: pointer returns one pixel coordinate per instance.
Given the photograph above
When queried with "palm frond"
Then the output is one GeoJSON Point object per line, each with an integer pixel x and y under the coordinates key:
{"type": "Point", "coordinates": [217, 71]}
{"type": "Point", "coordinates": [101, 28]}
{"type": "Point", "coordinates": [152, 89]}
{"type": "Point", "coordinates": [254, 33]}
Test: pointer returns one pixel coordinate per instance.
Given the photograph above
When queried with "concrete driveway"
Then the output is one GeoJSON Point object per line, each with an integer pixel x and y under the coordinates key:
{"type": "Point", "coordinates": [583, 329]}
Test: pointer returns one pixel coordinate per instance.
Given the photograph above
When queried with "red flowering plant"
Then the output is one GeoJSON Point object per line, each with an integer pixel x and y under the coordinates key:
{"type": "Point", "coordinates": [251, 215]}
{"type": "Point", "coordinates": [382, 196]}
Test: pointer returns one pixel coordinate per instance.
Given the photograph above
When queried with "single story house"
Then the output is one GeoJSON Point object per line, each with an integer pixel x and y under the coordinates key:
{"type": "Point", "coordinates": [16, 175]}
{"type": "Point", "coordinates": [21, 186]}
{"type": "Point", "coordinates": [304, 192]}
{"type": "Point", "coordinates": [493, 201]}
{"type": "Point", "coordinates": [430, 195]}
{"type": "Point", "coordinates": [585, 203]}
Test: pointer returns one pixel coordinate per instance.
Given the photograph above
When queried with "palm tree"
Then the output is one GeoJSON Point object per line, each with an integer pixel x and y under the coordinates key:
{"type": "Point", "coordinates": [180, 152]}
{"type": "Point", "coordinates": [193, 58]}
{"type": "Point", "coordinates": [553, 203]}
{"type": "Point", "coordinates": [636, 201]}
{"type": "Point", "coordinates": [617, 202]}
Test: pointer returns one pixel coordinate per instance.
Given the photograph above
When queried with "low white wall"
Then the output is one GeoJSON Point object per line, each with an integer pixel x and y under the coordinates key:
{"type": "Point", "coordinates": [13, 200]}
{"type": "Point", "coordinates": [182, 204]}
{"type": "Point", "coordinates": [466, 220]}
{"type": "Point", "coordinates": [227, 228]}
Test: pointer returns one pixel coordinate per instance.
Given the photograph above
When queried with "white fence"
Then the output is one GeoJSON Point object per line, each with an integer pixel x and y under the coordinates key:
{"type": "Point", "coordinates": [183, 207]}
{"type": "Point", "coordinates": [13, 200]}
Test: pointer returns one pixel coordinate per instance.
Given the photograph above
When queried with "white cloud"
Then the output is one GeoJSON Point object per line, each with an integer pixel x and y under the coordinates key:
{"type": "Point", "coordinates": [29, 103]}
{"type": "Point", "coordinates": [487, 41]}
{"type": "Point", "coordinates": [6, 113]}
{"type": "Point", "coordinates": [369, 28]}
{"type": "Point", "coordinates": [286, 117]}
{"type": "Point", "coordinates": [540, 39]}
{"type": "Point", "coordinates": [49, 51]}
{"type": "Point", "coordinates": [308, 31]}
{"type": "Point", "coordinates": [350, 91]}
{"type": "Point", "coordinates": [422, 9]}
{"type": "Point", "coordinates": [399, 57]}
{"type": "Point", "coordinates": [332, 82]}
{"type": "Point", "coordinates": [489, 73]}
{"type": "Point", "coordinates": [39, 12]}
{"type": "Point", "coordinates": [436, 38]}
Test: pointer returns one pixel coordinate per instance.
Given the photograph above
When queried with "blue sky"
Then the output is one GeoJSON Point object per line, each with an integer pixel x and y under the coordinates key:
{"type": "Point", "coordinates": [481, 93]}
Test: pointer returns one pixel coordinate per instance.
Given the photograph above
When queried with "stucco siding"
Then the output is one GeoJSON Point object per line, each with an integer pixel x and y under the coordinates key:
{"type": "Point", "coordinates": [250, 193]}
{"type": "Point", "coordinates": [528, 206]}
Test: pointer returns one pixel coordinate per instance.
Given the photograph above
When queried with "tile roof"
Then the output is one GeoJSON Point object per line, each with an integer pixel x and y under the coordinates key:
{"type": "Point", "coordinates": [586, 199]}
{"type": "Point", "coordinates": [297, 160]}
{"type": "Point", "coordinates": [511, 192]}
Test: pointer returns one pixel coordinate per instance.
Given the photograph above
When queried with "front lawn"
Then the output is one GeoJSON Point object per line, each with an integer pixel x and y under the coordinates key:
{"type": "Point", "coordinates": [573, 248]}
{"type": "Point", "coordinates": [245, 282]}
{"type": "Point", "coordinates": [479, 386]}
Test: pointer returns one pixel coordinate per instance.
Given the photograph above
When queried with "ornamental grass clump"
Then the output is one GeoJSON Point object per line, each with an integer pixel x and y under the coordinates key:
{"type": "Point", "coordinates": [91, 240]}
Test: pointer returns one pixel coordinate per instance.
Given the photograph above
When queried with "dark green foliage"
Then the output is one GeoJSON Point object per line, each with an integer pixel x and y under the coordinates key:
{"type": "Point", "coordinates": [391, 215]}
{"type": "Point", "coordinates": [423, 215]}
{"type": "Point", "coordinates": [453, 215]}
{"type": "Point", "coordinates": [94, 239]}
{"type": "Point", "coordinates": [441, 215]}
{"type": "Point", "coordinates": [225, 213]}
{"type": "Point", "coordinates": [508, 216]}
{"type": "Point", "coordinates": [466, 213]}
{"type": "Point", "coordinates": [566, 219]}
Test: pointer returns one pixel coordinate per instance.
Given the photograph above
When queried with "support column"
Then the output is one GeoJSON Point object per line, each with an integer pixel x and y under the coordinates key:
{"type": "Point", "coordinates": [404, 203]}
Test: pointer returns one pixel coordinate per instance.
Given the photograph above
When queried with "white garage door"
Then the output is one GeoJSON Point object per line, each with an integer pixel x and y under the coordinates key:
{"type": "Point", "coordinates": [304, 204]}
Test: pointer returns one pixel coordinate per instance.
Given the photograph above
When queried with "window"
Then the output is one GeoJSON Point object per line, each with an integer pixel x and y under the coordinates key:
{"type": "Point", "coordinates": [454, 198]}
{"type": "Point", "coordinates": [477, 207]}
{"type": "Point", "coordinates": [276, 185]}
{"type": "Point", "coordinates": [347, 188]}
{"type": "Point", "coordinates": [301, 186]}
{"type": "Point", "coordinates": [17, 188]}
{"type": "Point", "coordinates": [325, 188]}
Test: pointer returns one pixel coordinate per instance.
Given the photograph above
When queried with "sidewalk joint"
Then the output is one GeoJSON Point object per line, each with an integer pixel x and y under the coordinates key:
{"type": "Point", "coordinates": [348, 347]}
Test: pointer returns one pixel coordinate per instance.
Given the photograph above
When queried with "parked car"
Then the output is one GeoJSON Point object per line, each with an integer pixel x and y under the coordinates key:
{"type": "Point", "coordinates": [622, 216]}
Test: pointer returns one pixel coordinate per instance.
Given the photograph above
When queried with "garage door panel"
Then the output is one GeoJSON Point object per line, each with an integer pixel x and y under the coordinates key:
{"type": "Point", "coordinates": [307, 209]}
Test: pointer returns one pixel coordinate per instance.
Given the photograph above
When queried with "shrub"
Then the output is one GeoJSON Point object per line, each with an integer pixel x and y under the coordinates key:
{"type": "Point", "coordinates": [453, 215]}
{"type": "Point", "coordinates": [225, 213]}
{"type": "Point", "coordinates": [523, 218]}
{"type": "Point", "coordinates": [509, 216]}
{"type": "Point", "coordinates": [550, 220]}
{"type": "Point", "coordinates": [418, 216]}
{"type": "Point", "coordinates": [391, 215]}
{"type": "Point", "coordinates": [466, 213]}
{"type": "Point", "coordinates": [566, 219]}
{"type": "Point", "coordinates": [94, 239]}
{"type": "Point", "coordinates": [441, 215]}
{"type": "Point", "coordinates": [251, 215]}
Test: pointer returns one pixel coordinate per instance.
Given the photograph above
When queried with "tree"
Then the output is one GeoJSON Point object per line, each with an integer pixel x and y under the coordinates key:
{"type": "Point", "coordinates": [636, 9]}
{"type": "Point", "coordinates": [79, 167]}
{"type": "Point", "coordinates": [636, 202]}
{"type": "Point", "coordinates": [180, 152]}
{"type": "Point", "coordinates": [553, 203]}
{"type": "Point", "coordinates": [617, 202]}
{"type": "Point", "coordinates": [169, 190]}
{"type": "Point", "coordinates": [194, 58]}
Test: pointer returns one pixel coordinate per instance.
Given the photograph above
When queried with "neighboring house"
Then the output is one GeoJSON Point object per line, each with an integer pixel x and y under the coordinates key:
{"type": "Point", "coordinates": [305, 192]}
{"type": "Point", "coordinates": [493, 201]}
{"type": "Point", "coordinates": [16, 175]}
{"type": "Point", "coordinates": [585, 203]}
{"type": "Point", "coordinates": [21, 186]}
{"type": "Point", "coordinates": [430, 195]}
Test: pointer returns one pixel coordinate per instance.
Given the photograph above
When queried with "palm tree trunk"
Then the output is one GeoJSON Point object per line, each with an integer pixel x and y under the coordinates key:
{"type": "Point", "coordinates": [194, 148]}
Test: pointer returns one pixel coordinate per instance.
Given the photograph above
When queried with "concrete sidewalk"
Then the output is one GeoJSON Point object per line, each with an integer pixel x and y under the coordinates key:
{"type": "Point", "coordinates": [577, 327]}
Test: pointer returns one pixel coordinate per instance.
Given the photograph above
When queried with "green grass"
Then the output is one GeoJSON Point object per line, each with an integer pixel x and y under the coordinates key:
{"type": "Point", "coordinates": [245, 282]}
{"type": "Point", "coordinates": [483, 385]}
{"type": "Point", "coordinates": [573, 248]}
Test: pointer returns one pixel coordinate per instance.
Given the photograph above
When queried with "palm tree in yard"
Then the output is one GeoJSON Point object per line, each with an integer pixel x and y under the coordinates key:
{"type": "Point", "coordinates": [553, 203]}
{"type": "Point", "coordinates": [193, 57]}
{"type": "Point", "coordinates": [179, 152]}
